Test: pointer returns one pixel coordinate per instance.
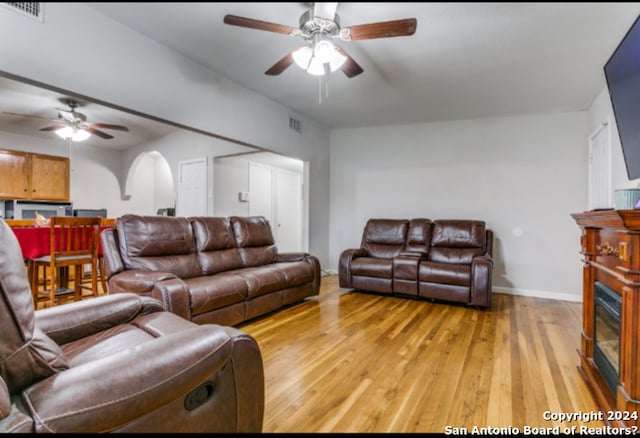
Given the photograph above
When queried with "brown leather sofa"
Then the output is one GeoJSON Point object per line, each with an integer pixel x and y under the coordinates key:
{"type": "Point", "coordinates": [207, 269]}
{"type": "Point", "coordinates": [118, 363]}
{"type": "Point", "coordinates": [448, 260]}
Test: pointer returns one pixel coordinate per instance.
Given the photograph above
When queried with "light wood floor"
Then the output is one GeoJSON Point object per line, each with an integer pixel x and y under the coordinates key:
{"type": "Point", "coordinates": [345, 361]}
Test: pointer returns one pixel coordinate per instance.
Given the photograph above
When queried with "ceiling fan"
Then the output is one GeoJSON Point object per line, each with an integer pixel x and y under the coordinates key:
{"type": "Point", "coordinates": [71, 124]}
{"type": "Point", "coordinates": [319, 26]}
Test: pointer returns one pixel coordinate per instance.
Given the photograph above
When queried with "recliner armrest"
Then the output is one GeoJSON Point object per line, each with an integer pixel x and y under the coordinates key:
{"type": "Point", "coordinates": [80, 319]}
{"type": "Point", "coordinates": [344, 268]}
{"type": "Point", "coordinates": [481, 285]}
{"type": "Point", "coordinates": [114, 391]}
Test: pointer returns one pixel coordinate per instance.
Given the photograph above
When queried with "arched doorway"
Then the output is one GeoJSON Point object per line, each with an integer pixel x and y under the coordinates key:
{"type": "Point", "coordinates": [149, 185]}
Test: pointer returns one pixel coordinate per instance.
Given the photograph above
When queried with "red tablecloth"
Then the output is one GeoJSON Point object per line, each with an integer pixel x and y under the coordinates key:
{"type": "Point", "coordinates": [35, 242]}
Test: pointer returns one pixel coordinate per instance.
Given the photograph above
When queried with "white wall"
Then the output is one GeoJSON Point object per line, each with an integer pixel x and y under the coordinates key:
{"type": "Point", "coordinates": [164, 195]}
{"type": "Point", "coordinates": [523, 175]}
{"type": "Point", "coordinates": [601, 112]}
{"type": "Point", "coordinates": [231, 176]}
{"type": "Point", "coordinates": [164, 84]}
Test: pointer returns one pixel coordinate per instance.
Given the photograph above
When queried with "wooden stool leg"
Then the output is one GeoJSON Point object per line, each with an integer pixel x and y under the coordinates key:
{"type": "Point", "coordinates": [53, 285]}
{"type": "Point", "coordinates": [78, 271]}
{"type": "Point", "coordinates": [103, 281]}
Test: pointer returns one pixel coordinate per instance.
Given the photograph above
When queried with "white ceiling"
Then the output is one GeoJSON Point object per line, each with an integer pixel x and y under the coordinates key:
{"type": "Point", "coordinates": [466, 60]}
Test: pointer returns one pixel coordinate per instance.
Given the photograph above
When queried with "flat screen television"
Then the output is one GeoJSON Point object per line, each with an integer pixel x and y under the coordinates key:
{"type": "Point", "coordinates": [622, 72]}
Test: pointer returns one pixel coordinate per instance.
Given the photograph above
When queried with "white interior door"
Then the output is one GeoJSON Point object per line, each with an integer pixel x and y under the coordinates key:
{"type": "Point", "coordinates": [288, 223]}
{"type": "Point", "coordinates": [600, 186]}
{"type": "Point", "coordinates": [192, 188]}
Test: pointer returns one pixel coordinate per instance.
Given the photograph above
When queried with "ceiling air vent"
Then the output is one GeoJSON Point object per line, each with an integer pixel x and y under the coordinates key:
{"type": "Point", "coordinates": [295, 124]}
{"type": "Point", "coordinates": [32, 10]}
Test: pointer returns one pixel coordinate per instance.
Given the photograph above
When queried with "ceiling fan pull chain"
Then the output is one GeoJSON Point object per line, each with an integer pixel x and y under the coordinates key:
{"type": "Point", "coordinates": [327, 72]}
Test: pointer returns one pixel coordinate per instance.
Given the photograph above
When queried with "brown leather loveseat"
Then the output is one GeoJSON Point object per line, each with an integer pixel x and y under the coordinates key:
{"type": "Point", "coordinates": [447, 260]}
{"type": "Point", "coordinates": [207, 269]}
{"type": "Point", "coordinates": [118, 363]}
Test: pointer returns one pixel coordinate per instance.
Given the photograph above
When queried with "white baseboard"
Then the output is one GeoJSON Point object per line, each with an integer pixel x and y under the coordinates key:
{"type": "Point", "coordinates": [324, 272]}
{"type": "Point", "coordinates": [537, 294]}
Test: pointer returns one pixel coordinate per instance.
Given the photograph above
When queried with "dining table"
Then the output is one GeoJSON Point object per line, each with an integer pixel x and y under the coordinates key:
{"type": "Point", "coordinates": [35, 242]}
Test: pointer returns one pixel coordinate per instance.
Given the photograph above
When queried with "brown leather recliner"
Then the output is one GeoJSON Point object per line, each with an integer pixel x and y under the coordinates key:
{"type": "Point", "coordinates": [119, 364]}
{"type": "Point", "coordinates": [447, 260]}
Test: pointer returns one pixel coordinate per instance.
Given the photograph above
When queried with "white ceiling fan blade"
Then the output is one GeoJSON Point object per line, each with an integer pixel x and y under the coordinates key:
{"type": "Point", "coordinates": [325, 10]}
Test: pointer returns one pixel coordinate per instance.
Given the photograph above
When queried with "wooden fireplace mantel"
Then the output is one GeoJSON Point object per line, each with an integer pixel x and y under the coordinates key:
{"type": "Point", "coordinates": [610, 244]}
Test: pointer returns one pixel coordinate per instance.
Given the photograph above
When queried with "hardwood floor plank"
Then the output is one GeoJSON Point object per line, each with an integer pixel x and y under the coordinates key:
{"type": "Point", "coordinates": [347, 361]}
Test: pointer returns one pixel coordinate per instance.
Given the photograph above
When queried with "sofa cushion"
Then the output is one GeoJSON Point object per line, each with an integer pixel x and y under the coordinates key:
{"type": "Point", "coordinates": [372, 267]}
{"type": "Point", "coordinates": [262, 280]}
{"type": "Point", "coordinates": [216, 291]}
{"type": "Point", "coordinates": [255, 240]}
{"type": "Point", "coordinates": [446, 273]}
{"type": "Point", "coordinates": [457, 241]}
{"type": "Point", "coordinates": [158, 243]}
{"type": "Point", "coordinates": [296, 273]}
{"type": "Point", "coordinates": [384, 238]}
{"type": "Point", "coordinates": [216, 244]}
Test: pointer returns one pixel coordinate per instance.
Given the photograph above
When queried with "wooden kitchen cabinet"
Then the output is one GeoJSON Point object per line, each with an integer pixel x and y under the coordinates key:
{"type": "Point", "coordinates": [25, 175]}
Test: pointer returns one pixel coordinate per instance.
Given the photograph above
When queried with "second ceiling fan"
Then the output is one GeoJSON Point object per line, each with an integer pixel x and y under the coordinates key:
{"type": "Point", "coordinates": [71, 124]}
{"type": "Point", "coordinates": [319, 27]}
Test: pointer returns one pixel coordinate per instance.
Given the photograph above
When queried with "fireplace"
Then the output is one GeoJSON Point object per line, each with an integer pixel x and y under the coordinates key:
{"type": "Point", "coordinates": [606, 339]}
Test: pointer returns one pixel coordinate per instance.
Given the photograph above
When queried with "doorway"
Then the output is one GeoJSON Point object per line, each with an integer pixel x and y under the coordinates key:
{"type": "Point", "coordinates": [192, 188]}
{"type": "Point", "coordinates": [264, 184]}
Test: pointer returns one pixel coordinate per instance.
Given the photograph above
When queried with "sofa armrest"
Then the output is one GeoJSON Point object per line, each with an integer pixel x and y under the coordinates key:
{"type": "Point", "coordinates": [174, 296]}
{"type": "Point", "coordinates": [139, 281]}
{"type": "Point", "coordinates": [344, 269]}
{"type": "Point", "coordinates": [83, 318]}
{"type": "Point", "coordinates": [114, 391]}
{"type": "Point", "coordinates": [489, 247]}
{"type": "Point", "coordinates": [165, 287]}
{"type": "Point", "coordinates": [481, 269]}
{"type": "Point", "coordinates": [291, 256]}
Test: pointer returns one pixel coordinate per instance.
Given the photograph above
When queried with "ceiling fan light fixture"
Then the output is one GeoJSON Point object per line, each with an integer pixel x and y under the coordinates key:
{"type": "Point", "coordinates": [74, 134]}
{"type": "Point", "coordinates": [312, 60]}
{"type": "Point", "coordinates": [302, 56]}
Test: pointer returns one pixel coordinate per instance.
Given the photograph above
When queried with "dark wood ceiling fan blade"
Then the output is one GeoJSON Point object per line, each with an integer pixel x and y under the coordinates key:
{"type": "Point", "coordinates": [109, 126]}
{"type": "Point", "coordinates": [235, 20]}
{"type": "Point", "coordinates": [52, 127]}
{"type": "Point", "coordinates": [384, 29]}
{"type": "Point", "coordinates": [99, 133]}
{"type": "Point", "coordinates": [350, 67]}
{"type": "Point", "coordinates": [280, 66]}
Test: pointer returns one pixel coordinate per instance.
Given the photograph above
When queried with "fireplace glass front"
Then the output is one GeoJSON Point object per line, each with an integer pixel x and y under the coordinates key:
{"type": "Point", "coordinates": [606, 354]}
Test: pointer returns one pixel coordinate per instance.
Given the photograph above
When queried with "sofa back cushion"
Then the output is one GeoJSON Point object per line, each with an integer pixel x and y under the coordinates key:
{"type": "Point", "coordinates": [457, 241]}
{"type": "Point", "coordinates": [27, 355]}
{"type": "Point", "coordinates": [215, 244]}
{"type": "Point", "coordinates": [384, 238]}
{"type": "Point", "coordinates": [158, 243]}
{"type": "Point", "coordinates": [419, 235]}
{"type": "Point", "coordinates": [254, 239]}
